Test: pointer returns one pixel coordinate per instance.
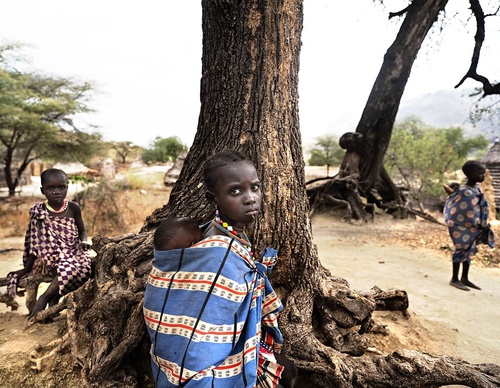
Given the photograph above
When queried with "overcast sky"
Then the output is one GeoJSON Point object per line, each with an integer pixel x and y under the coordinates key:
{"type": "Point", "coordinates": [145, 59]}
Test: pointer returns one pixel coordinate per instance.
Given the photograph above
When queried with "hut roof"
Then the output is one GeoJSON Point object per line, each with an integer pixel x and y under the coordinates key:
{"type": "Point", "coordinates": [493, 155]}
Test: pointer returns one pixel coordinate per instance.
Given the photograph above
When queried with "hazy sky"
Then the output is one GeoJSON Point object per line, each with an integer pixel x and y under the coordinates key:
{"type": "Point", "coordinates": [145, 59]}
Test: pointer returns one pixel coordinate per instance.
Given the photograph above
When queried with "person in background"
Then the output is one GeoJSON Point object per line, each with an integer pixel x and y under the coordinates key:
{"type": "Point", "coordinates": [466, 215]}
{"type": "Point", "coordinates": [55, 243]}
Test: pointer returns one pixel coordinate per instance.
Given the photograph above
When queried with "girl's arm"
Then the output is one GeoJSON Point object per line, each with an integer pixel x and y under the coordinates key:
{"type": "Point", "coordinates": [28, 266]}
{"type": "Point", "coordinates": [82, 234]}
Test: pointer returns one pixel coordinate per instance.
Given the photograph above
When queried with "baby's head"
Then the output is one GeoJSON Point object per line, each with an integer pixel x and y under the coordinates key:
{"type": "Point", "coordinates": [176, 233]}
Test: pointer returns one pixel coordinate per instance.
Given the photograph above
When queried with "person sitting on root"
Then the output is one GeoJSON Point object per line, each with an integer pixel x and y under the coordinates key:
{"type": "Point", "coordinates": [176, 233]}
{"type": "Point", "coordinates": [466, 215]}
{"type": "Point", "coordinates": [210, 310]}
{"type": "Point", "coordinates": [55, 243]}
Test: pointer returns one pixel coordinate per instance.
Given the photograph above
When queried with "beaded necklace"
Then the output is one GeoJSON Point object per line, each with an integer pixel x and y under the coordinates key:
{"type": "Point", "coordinates": [231, 232]}
{"type": "Point", "coordinates": [63, 208]}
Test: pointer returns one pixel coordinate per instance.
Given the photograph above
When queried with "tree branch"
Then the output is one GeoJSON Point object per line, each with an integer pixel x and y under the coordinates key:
{"type": "Point", "coordinates": [488, 88]}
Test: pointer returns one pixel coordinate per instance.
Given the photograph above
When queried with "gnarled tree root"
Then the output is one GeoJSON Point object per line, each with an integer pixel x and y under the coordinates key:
{"type": "Point", "coordinates": [9, 301]}
{"type": "Point", "coordinates": [45, 315]}
{"type": "Point", "coordinates": [322, 365]}
{"type": "Point", "coordinates": [58, 345]}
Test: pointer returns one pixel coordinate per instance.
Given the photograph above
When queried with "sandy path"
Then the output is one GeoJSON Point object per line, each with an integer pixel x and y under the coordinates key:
{"type": "Point", "coordinates": [455, 322]}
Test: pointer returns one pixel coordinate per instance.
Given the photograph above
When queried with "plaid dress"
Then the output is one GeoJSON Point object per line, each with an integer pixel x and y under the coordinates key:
{"type": "Point", "coordinates": [207, 308]}
{"type": "Point", "coordinates": [55, 243]}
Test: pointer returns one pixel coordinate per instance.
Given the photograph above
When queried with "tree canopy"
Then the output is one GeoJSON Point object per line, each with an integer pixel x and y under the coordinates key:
{"type": "Point", "coordinates": [163, 150]}
{"type": "Point", "coordinates": [125, 149]}
{"type": "Point", "coordinates": [37, 118]}
{"type": "Point", "coordinates": [424, 157]}
{"type": "Point", "coordinates": [326, 151]}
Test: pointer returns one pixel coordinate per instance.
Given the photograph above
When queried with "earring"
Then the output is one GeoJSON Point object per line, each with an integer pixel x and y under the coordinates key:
{"type": "Point", "coordinates": [216, 212]}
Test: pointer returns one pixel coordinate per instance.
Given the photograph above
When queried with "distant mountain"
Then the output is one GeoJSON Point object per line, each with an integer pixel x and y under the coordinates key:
{"type": "Point", "coordinates": [446, 108]}
{"type": "Point", "coordinates": [441, 109]}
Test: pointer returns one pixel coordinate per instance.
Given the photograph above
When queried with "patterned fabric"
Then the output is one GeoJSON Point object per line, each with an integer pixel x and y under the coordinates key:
{"type": "Point", "coordinates": [55, 243]}
{"type": "Point", "coordinates": [466, 215]}
{"type": "Point", "coordinates": [204, 308]}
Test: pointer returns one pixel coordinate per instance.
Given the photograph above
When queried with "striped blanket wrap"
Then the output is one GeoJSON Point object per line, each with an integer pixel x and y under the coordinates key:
{"type": "Point", "coordinates": [206, 309]}
{"type": "Point", "coordinates": [466, 215]}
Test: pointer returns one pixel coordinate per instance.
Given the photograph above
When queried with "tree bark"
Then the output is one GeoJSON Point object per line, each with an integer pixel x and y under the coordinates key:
{"type": "Point", "coordinates": [368, 177]}
{"type": "Point", "coordinates": [249, 102]}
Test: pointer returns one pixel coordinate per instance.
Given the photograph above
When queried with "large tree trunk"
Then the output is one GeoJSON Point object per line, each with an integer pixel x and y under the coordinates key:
{"type": "Point", "coordinates": [249, 102]}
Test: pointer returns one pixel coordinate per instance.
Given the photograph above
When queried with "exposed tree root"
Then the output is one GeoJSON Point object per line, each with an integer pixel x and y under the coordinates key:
{"type": "Point", "coordinates": [58, 345]}
{"type": "Point", "coordinates": [323, 322]}
{"type": "Point", "coordinates": [325, 354]}
{"type": "Point", "coordinates": [9, 301]}
{"type": "Point", "coordinates": [48, 314]}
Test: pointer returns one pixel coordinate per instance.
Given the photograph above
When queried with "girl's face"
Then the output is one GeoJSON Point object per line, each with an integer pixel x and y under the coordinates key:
{"type": "Point", "coordinates": [55, 188]}
{"type": "Point", "coordinates": [238, 194]}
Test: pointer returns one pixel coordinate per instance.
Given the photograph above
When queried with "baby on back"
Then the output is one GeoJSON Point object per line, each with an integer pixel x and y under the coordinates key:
{"type": "Point", "coordinates": [176, 233]}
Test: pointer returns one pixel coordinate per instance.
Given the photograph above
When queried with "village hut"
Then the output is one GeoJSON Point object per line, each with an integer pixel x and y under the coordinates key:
{"type": "Point", "coordinates": [492, 162]}
{"type": "Point", "coordinates": [173, 173]}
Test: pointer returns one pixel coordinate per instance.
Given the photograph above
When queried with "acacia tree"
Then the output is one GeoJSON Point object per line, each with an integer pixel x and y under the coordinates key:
{"type": "Point", "coordinates": [125, 149]}
{"type": "Point", "coordinates": [326, 151]}
{"type": "Point", "coordinates": [36, 120]}
{"type": "Point", "coordinates": [249, 102]}
{"type": "Point", "coordinates": [163, 150]}
{"type": "Point", "coordinates": [424, 157]}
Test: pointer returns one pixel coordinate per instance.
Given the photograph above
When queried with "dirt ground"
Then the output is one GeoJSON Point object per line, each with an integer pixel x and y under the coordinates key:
{"type": "Point", "coordinates": [411, 255]}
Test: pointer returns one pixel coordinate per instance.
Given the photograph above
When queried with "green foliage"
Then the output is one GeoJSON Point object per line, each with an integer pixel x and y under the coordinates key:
{"type": "Point", "coordinates": [424, 157]}
{"type": "Point", "coordinates": [326, 152]}
{"type": "Point", "coordinates": [37, 118]}
{"type": "Point", "coordinates": [163, 150]}
{"type": "Point", "coordinates": [485, 108]}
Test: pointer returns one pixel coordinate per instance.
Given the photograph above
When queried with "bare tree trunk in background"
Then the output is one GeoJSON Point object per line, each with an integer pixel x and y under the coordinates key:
{"type": "Point", "coordinates": [362, 172]}
{"type": "Point", "coordinates": [249, 102]}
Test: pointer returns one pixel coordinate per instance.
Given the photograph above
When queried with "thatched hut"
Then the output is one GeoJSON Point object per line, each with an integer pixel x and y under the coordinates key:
{"type": "Point", "coordinates": [492, 162]}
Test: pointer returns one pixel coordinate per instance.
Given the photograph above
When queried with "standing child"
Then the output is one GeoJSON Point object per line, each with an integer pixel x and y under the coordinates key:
{"type": "Point", "coordinates": [210, 309]}
{"type": "Point", "coordinates": [55, 242]}
{"type": "Point", "coordinates": [466, 214]}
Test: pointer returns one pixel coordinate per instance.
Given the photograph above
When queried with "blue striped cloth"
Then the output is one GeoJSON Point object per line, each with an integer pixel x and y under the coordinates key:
{"type": "Point", "coordinates": [203, 308]}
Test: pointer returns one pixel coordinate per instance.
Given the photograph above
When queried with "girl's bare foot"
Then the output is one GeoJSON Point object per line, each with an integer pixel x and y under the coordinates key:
{"type": "Point", "coordinates": [459, 285]}
{"type": "Point", "coordinates": [469, 284]}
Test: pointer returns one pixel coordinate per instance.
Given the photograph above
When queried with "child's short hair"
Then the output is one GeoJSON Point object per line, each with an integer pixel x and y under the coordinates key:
{"type": "Point", "coordinates": [471, 165]}
{"type": "Point", "coordinates": [49, 172]}
{"type": "Point", "coordinates": [176, 233]}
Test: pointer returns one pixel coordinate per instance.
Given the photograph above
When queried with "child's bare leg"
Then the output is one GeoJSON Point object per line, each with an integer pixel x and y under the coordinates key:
{"type": "Point", "coordinates": [44, 299]}
{"type": "Point", "coordinates": [55, 299]}
{"type": "Point", "coordinates": [454, 279]}
{"type": "Point", "coordinates": [465, 276]}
